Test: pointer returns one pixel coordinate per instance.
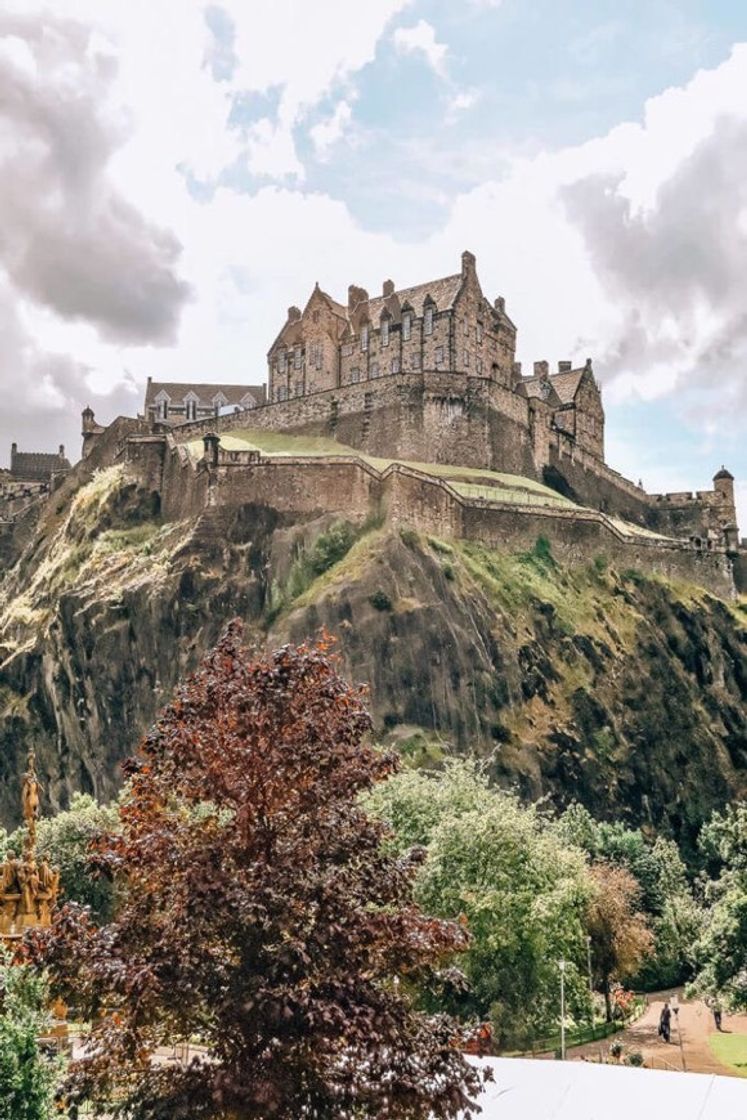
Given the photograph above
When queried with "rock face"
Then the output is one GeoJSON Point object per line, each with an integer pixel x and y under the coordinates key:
{"type": "Point", "coordinates": [625, 693]}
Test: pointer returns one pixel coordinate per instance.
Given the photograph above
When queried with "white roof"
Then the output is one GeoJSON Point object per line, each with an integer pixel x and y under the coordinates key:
{"type": "Point", "coordinates": [549, 1090]}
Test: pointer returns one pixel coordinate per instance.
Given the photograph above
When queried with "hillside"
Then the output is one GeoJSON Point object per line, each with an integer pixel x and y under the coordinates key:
{"type": "Point", "coordinates": [622, 691]}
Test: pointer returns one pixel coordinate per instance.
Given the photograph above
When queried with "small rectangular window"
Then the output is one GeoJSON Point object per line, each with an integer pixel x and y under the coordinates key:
{"type": "Point", "coordinates": [395, 365]}
{"type": "Point", "coordinates": [191, 410]}
{"type": "Point", "coordinates": [364, 338]}
{"type": "Point", "coordinates": [384, 332]}
{"type": "Point", "coordinates": [282, 361]}
{"type": "Point", "coordinates": [415, 361]}
{"type": "Point", "coordinates": [355, 375]}
{"type": "Point", "coordinates": [406, 326]}
{"type": "Point", "coordinates": [478, 331]}
{"type": "Point", "coordinates": [439, 355]}
{"type": "Point", "coordinates": [478, 365]}
{"type": "Point", "coordinates": [297, 357]}
{"type": "Point", "coordinates": [375, 371]}
{"type": "Point", "coordinates": [428, 320]}
{"type": "Point", "coordinates": [465, 358]}
{"type": "Point", "coordinates": [465, 329]}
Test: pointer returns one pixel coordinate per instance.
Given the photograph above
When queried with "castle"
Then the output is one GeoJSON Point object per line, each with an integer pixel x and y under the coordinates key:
{"type": "Point", "coordinates": [400, 384]}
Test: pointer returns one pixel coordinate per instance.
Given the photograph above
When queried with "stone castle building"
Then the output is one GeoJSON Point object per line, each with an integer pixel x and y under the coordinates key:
{"type": "Point", "coordinates": [178, 402]}
{"type": "Point", "coordinates": [443, 326]}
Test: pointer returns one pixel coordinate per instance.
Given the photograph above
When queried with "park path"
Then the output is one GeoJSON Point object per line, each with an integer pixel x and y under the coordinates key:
{"type": "Point", "coordinates": [695, 1023]}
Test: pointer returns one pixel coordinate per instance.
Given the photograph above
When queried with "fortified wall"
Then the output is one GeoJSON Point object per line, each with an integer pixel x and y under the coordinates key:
{"type": "Point", "coordinates": [469, 421]}
{"type": "Point", "coordinates": [306, 486]}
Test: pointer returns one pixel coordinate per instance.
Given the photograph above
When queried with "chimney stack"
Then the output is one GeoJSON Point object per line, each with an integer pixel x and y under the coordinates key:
{"type": "Point", "coordinates": [565, 367]}
{"type": "Point", "coordinates": [387, 288]}
{"type": "Point", "coordinates": [469, 264]}
{"type": "Point", "coordinates": [294, 314]}
{"type": "Point", "coordinates": [542, 369]}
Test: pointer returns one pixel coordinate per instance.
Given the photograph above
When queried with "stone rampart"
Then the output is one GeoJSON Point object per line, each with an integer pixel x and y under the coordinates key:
{"type": "Point", "coordinates": [309, 485]}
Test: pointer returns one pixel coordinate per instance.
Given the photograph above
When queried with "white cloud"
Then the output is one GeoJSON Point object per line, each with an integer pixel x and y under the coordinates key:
{"type": "Point", "coordinates": [330, 131]}
{"type": "Point", "coordinates": [461, 101]}
{"type": "Point", "coordinates": [421, 39]}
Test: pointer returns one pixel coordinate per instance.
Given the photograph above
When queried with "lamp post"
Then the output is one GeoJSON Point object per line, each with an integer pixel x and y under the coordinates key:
{"type": "Point", "coordinates": [561, 966]}
{"type": "Point", "coordinates": [591, 981]}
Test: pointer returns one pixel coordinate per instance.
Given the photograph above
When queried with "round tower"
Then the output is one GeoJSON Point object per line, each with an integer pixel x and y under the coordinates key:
{"type": "Point", "coordinates": [723, 483]}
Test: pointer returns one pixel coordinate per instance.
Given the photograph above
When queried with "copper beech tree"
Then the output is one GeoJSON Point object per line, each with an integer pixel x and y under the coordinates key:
{"type": "Point", "coordinates": [260, 913]}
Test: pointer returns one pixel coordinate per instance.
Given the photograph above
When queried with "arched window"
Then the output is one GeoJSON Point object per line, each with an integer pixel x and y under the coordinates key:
{"type": "Point", "coordinates": [385, 331]}
{"type": "Point", "coordinates": [406, 325]}
{"type": "Point", "coordinates": [364, 337]}
{"type": "Point", "coordinates": [428, 319]}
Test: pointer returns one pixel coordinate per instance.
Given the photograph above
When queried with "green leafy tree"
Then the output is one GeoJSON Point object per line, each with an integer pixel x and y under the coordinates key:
{"type": "Point", "coordinates": [261, 912]}
{"type": "Point", "coordinates": [27, 1077]}
{"type": "Point", "coordinates": [722, 949]}
{"type": "Point", "coordinates": [522, 892]}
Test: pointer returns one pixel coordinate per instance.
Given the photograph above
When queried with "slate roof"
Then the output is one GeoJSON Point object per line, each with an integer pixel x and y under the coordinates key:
{"type": "Point", "coordinates": [566, 384]}
{"type": "Point", "coordinates": [205, 391]}
{"type": "Point", "coordinates": [443, 292]}
{"type": "Point", "coordinates": [37, 464]}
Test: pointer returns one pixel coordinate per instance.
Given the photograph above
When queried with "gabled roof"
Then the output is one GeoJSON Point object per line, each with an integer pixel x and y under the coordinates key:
{"type": "Point", "coordinates": [540, 388]}
{"type": "Point", "coordinates": [566, 384]}
{"type": "Point", "coordinates": [205, 391]}
{"type": "Point", "coordinates": [443, 292]}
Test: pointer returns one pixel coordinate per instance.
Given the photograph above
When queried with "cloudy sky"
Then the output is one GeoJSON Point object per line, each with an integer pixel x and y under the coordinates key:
{"type": "Point", "coordinates": [174, 174]}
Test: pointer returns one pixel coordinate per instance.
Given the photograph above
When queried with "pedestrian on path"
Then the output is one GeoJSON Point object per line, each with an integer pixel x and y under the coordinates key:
{"type": "Point", "coordinates": [665, 1022]}
{"type": "Point", "coordinates": [716, 1008]}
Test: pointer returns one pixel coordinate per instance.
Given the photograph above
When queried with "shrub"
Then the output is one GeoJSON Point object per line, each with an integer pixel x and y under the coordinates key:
{"type": "Point", "coordinates": [380, 600]}
{"type": "Point", "coordinates": [634, 1058]}
{"type": "Point", "coordinates": [409, 537]}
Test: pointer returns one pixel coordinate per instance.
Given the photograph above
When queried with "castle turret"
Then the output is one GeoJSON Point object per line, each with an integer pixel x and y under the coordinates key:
{"type": "Point", "coordinates": [723, 484]}
{"type": "Point", "coordinates": [90, 431]}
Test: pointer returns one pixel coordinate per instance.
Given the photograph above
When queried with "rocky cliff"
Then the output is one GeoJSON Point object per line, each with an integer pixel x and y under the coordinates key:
{"type": "Point", "coordinates": [624, 692]}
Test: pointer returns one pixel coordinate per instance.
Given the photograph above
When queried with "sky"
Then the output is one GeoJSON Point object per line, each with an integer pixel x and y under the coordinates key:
{"type": "Point", "coordinates": [174, 175]}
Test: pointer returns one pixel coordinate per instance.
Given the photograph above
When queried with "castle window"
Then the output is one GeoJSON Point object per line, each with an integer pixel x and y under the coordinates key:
{"type": "Point", "coordinates": [315, 316]}
{"type": "Point", "coordinates": [428, 319]}
{"type": "Point", "coordinates": [163, 410]}
{"type": "Point", "coordinates": [296, 357]}
{"type": "Point", "coordinates": [465, 329]}
{"type": "Point", "coordinates": [395, 365]}
{"type": "Point", "coordinates": [318, 355]}
{"type": "Point", "coordinates": [439, 355]}
{"type": "Point", "coordinates": [191, 409]}
{"type": "Point", "coordinates": [384, 332]}
{"type": "Point", "coordinates": [355, 375]}
{"type": "Point", "coordinates": [282, 361]}
{"type": "Point", "coordinates": [478, 331]}
{"type": "Point", "coordinates": [375, 371]}
{"type": "Point", "coordinates": [478, 365]}
{"type": "Point", "coordinates": [282, 393]}
{"type": "Point", "coordinates": [465, 359]}
{"type": "Point", "coordinates": [415, 361]}
{"type": "Point", "coordinates": [406, 326]}
{"type": "Point", "coordinates": [364, 337]}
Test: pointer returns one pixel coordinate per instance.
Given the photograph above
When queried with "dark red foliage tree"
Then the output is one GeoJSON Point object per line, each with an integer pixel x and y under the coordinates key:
{"type": "Point", "coordinates": [261, 913]}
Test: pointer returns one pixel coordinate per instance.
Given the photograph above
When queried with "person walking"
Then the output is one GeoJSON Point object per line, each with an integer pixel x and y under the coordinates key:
{"type": "Point", "coordinates": [665, 1022]}
{"type": "Point", "coordinates": [716, 1008]}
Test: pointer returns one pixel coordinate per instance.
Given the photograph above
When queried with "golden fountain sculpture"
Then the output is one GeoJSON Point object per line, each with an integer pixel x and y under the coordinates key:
{"type": "Point", "coordinates": [28, 890]}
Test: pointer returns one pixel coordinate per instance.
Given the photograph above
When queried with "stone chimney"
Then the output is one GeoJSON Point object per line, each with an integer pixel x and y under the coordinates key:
{"type": "Point", "coordinates": [469, 264]}
{"type": "Point", "coordinates": [565, 367]}
{"type": "Point", "coordinates": [387, 288]}
{"type": "Point", "coordinates": [61, 451]}
{"type": "Point", "coordinates": [355, 296]}
{"type": "Point", "coordinates": [542, 369]}
{"type": "Point", "coordinates": [500, 305]}
{"type": "Point", "coordinates": [294, 314]}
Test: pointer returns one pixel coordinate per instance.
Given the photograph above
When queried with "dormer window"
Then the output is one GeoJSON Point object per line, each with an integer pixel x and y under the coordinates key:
{"type": "Point", "coordinates": [384, 332]}
{"type": "Point", "coordinates": [428, 319]}
{"type": "Point", "coordinates": [406, 325]}
{"type": "Point", "coordinates": [163, 409]}
{"type": "Point", "coordinates": [364, 337]}
{"type": "Point", "coordinates": [190, 408]}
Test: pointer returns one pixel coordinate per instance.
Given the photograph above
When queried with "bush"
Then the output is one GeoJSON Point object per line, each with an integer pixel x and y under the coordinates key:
{"type": "Point", "coordinates": [616, 1050]}
{"type": "Point", "coordinates": [409, 537]}
{"type": "Point", "coordinates": [634, 1058]}
{"type": "Point", "coordinates": [380, 600]}
{"type": "Point", "coordinates": [448, 571]}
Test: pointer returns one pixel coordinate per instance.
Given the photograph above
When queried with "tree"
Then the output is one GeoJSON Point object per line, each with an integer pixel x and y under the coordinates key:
{"type": "Point", "coordinates": [522, 891]}
{"type": "Point", "coordinates": [722, 949]}
{"type": "Point", "coordinates": [620, 937]}
{"type": "Point", "coordinates": [260, 911]}
{"type": "Point", "coordinates": [27, 1078]}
